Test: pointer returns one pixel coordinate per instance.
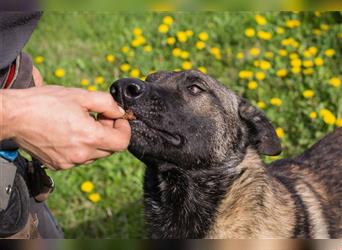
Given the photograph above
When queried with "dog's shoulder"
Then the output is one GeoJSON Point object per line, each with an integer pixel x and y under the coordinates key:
{"type": "Point", "coordinates": [315, 177]}
{"type": "Point", "coordinates": [326, 152]}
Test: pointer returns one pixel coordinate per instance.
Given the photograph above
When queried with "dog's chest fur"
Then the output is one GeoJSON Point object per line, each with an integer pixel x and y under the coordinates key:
{"type": "Point", "coordinates": [184, 204]}
{"type": "Point", "coordinates": [181, 204]}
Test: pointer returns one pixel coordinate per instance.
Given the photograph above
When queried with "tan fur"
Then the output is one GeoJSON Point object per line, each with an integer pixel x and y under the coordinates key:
{"type": "Point", "coordinates": [319, 229]}
{"type": "Point", "coordinates": [240, 214]}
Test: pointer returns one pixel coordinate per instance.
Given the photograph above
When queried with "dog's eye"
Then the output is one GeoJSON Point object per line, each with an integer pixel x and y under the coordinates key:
{"type": "Point", "coordinates": [195, 89]}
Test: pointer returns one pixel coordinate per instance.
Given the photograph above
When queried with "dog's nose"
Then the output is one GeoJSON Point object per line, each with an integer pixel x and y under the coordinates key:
{"type": "Point", "coordinates": [128, 89]}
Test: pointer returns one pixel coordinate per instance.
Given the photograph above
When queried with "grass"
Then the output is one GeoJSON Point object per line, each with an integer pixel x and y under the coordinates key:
{"type": "Point", "coordinates": [78, 44]}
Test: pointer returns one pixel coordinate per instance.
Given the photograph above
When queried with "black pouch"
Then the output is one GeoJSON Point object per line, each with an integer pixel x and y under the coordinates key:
{"type": "Point", "coordinates": [15, 216]}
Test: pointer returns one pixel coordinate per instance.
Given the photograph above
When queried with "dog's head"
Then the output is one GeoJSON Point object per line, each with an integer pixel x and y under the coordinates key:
{"type": "Point", "coordinates": [187, 118]}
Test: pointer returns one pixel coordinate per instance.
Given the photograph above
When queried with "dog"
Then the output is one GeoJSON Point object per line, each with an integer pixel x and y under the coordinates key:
{"type": "Point", "coordinates": [205, 179]}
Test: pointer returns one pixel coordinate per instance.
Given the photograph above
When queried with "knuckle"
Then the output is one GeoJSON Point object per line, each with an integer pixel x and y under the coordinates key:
{"type": "Point", "coordinates": [79, 156]}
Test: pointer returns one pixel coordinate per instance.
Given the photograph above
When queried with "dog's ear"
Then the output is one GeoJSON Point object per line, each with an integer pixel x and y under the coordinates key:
{"type": "Point", "coordinates": [261, 132]}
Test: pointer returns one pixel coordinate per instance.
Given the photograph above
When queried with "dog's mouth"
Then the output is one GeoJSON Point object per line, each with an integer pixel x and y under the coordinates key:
{"type": "Point", "coordinates": [172, 138]}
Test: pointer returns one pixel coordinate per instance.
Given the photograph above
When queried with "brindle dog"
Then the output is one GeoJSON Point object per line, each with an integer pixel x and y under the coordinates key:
{"type": "Point", "coordinates": [204, 178]}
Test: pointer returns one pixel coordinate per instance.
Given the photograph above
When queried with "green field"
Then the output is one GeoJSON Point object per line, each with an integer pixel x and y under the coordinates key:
{"type": "Point", "coordinates": [289, 64]}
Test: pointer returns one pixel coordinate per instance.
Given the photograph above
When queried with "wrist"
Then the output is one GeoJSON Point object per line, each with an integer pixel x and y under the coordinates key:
{"type": "Point", "coordinates": [8, 113]}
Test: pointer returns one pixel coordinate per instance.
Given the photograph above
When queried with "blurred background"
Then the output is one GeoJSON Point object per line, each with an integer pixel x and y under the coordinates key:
{"type": "Point", "coordinates": [286, 63]}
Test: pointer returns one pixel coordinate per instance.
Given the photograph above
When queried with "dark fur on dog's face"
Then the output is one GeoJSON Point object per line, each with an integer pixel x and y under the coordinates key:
{"type": "Point", "coordinates": [188, 119]}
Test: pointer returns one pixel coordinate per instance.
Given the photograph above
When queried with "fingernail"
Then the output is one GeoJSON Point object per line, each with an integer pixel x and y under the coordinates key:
{"type": "Point", "coordinates": [122, 110]}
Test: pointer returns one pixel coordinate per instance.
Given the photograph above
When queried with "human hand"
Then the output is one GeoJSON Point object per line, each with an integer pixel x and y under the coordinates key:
{"type": "Point", "coordinates": [54, 125]}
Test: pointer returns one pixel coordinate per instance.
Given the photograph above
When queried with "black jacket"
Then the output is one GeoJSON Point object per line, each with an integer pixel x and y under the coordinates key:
{"type": "Point", "coordinates": [15, 30]}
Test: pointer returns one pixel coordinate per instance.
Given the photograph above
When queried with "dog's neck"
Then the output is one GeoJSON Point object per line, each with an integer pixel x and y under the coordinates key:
{"type": "Point", "coordinates": [183, 204]}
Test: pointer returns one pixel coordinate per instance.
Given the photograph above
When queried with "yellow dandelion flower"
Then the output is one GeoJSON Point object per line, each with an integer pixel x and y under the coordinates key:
{"type": "Point", "coordinates": [282, 52]}
{"type": "Point", "coordinates": [254, 51]}
{"type": "Point", "coordinates": [308, 63]}
{"type": "Point", "coordinates": [138, 41]}
{"type": "Point", "coordinates": [281, 73]}
{"type": "Point", "coordinates": [84, 82]}
{"type": "Point", "coordinates": [318, 61]}
{"type": "Point", "coordinates": [293, 23]}
{"type": "Point", "coordinates": [87, 186]}
{"type": "Point", "coordinates": [265, 65]}
{"type": "Point", "coordinates": [38, 59]}
{"type": "Point", "coordinates": [148, 48]}
{"type": "Point", "coordinates": [135, 73]}
{"type": "Point", "coordinates": [203, 36]}
{"type": "Point", "coordinates": [181, 36]}
{"type": "Point", "coordinates": [200, 45]}
{"type": "Point", "coordinates": [252, 85]}
{"type": "Point", "coordinates": [280, 132]}
{"type": "Point", "coordinates": [313, 50]}
{"type": "Point", "coordinates": [338, 122]}
{"type": "Point", "coordinates": [125, 49]}
{"type": "Point", "coordinates": [293, 56]}
{"type": "Point", "coordinates": [184, 54]}
{"type": "Point", "coordinates": [328, 117]}
{"type": "Point", "coordinates": [324, 26]}
{"type": "Point", "coordinates": [99, 80]}
{"type": "Point", "coordinates": [168, 20]}
{"type": "Point", "coordinates": [163, 28]}
{"type": "Point", "coordinates": [276, 101]}
{"type": "Point", "coordinates": [135, 43]}
{"type": "Point", "coordinates": [256, 63]}
{"type": "Point", "coordinates": [286, 42]}
{"type": "Point", "coordinates": [189, 33]}
{"type": "Point", "coordinates": [308, 93]}
{"type": "Point", "coordinates": [308, 71]}
{"type": "Point", "coordinates": [125, 67]}
{"type": "Point", "coordinates": [176, 52]}
{"type": "Point", "coordinates": [202, 69]}
{"type": "Point", "coordinates": [280, 30]}
{"type": "Point", "coordinates": [296, 63]}
{"type": "Point", "coordinates": [245, 74]}
{"type": "Point", "coordinates": [92, 88]}
{"type": "Point", "coordinates": [317, 13]}
{"type": "Point", "coordinates": [329, 52]}
{"type": "Point", "coordinates": [264, 35]}
{"type": "Point", "coordinates": [137, 31]}
{"type": "Point", "coordinates": [295, 70]}
{"type": "Point", "coordinates": [250, 32]}
{"type": "Point", "coordinates": [170, 40]}
{"type": "Point", "coordinates": [110, 58]}
{"type": "Point", "coordinates": [215, 51]}
{"type": "Point", "coordinates": [307, 53]}
{"type": "Point", "coordinates": [313, 115]}
{"type": "Point", "coordinates": [323, 112]}
{"type": "Point", "coordinates": [260, 75]}
{"type": "Point", "coordinates": [261, 105]}
{"type": "Point", "coordinates": [260, 20]}
{"type": "Point", "coordinates": [240, 55]}
{"type": "Point", "coordinates": [59, 73]}
{"type": "Point", "coordinates": [186, 65]}
{"type": "Point", "coordinates": [94, 198]}
{"type": "Point", "coordinates": [335, 82]}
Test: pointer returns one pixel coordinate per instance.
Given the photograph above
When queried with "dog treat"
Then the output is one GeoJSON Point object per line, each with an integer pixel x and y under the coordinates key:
{"type": "Point", "coordinates": [129, 116]}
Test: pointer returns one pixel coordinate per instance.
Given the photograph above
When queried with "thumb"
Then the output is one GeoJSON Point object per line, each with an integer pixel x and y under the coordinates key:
{"type": "Point", "coordinates": [116, 138]}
